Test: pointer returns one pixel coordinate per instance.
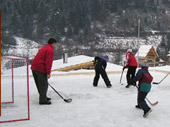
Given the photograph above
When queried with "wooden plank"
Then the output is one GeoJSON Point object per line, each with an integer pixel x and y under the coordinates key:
{"type": "Point", "coordinates": [75, 67]}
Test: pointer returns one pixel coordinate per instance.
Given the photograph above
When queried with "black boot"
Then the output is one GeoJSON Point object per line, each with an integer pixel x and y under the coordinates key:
{"type": "Point", "coordinates": [48, 99]}
{"type": "Point", "coordinates": [127, 86]}
{"type": "Point", "coordinates": [109, 86]}
{"type": "Point", "coordinates": [147, 113]}
{"type": "Point", "coordinates": [45, 103]}
{"type": "Point", "coordinates": [138, 107]}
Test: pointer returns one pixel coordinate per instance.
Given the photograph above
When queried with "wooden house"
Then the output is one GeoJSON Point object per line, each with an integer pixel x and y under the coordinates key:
{"type": "Point", "coordinates": [146, 53]}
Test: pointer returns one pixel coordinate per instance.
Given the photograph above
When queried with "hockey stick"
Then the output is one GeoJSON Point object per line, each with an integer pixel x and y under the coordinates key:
{"type": "Point", "coordinates": [121, 78]}
{"type": "Point", "coordinates": [161, 80]}
{"type": "Point", "coordinates": [152, 104]}
{"type": "Point", "coordinates": [66, 100]}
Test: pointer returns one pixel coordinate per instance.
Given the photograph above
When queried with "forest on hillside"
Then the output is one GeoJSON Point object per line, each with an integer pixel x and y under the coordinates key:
{"type": "Point", "coordinates": [76, 22]}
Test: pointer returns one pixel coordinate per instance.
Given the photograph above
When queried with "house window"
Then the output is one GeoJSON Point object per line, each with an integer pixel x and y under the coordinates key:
{"type": "Point", "coordinates": [151, 65]}
{"type": "Point", "coordinates": [141, 60]}
{"type": "Point", "coordinates": [150, 59]}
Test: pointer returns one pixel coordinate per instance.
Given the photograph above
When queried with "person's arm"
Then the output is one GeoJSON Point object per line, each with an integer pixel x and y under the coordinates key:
{"type": "Point", "coordinates": [104, 64]}
{"type": "Point", "coordinates": [48, 62]}
{"type": "Point", "coordinates": [128, 62]}
{"type": "Point", "coordinates": [96, 58]}
{"type": "Point", "coordinates": [138, 76]}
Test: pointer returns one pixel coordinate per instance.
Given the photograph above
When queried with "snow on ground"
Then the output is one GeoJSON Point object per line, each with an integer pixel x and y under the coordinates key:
{"type": "Point", "coordinates": [162, 68]}
{"type": "Point", "coordinates": [96, 107]}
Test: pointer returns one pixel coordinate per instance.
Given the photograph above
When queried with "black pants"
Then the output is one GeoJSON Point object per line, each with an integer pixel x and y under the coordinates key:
{"type": "Point", "coordinates": [42, 85]}
{"type": "Point", "coordinates": [141, 101]}
{"type": "Point", "coordinates": [130, 74]}
{"type": "Point", "coordinates": [100, 71]}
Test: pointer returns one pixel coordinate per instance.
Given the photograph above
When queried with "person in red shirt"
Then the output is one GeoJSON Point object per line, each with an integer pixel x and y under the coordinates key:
{"type": "Point", "coordinates": [131, 65]}
{"type": "Point", "coordinates": [41, 70]}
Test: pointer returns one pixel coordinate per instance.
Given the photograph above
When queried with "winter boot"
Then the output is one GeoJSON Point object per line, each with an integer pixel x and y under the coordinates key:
{"type": "Point", "coordinates": [138, 107]}
{"type": "Point", "coordinates": [48, 99]}
{"type": "Point", "coordinates": [45, 103]}
{"type": "Point", "coordinates": [109, 86]}
{"type": "Point", "coordinates": [127, 86]}
{"type": "Point", "coordinates": [147, 113]}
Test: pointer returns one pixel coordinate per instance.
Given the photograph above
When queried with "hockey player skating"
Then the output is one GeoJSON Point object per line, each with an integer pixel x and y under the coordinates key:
{"type": "Point", "coordinates": [100, 66]}
{"type": "Point", "coordinates": [144, 86]}
{"type": "Point", "coordinates": [41, 69]}
{"type": "Point", "coordinates": [131, 65]}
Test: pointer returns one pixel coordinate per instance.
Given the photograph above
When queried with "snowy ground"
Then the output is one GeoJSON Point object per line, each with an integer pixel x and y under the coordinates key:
{"type": "Point", "coordinates": [96, 107]}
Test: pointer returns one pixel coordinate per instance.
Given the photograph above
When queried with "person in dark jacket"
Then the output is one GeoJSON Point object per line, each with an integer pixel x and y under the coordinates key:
{"type": "Point", "coordinates": [100, 66]}
{"type": "Point", "coordinates": [131, 65]}
{"type": "Point", "coordinates": [144, 87]}
{"type": "Point", "coordinates": [41, 70]}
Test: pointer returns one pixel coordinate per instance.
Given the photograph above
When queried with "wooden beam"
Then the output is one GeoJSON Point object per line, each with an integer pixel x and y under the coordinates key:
{"type": "Point", "coordinates": [76, 67]}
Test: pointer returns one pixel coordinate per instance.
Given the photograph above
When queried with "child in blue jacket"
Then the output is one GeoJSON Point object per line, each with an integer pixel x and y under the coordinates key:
{"type": "Point", "coordinates": [144, 87]}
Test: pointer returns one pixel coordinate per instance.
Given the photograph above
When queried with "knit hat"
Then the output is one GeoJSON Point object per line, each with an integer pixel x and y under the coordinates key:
{"type": "Point", "coordinates": [105, 57]}
{"type": "Point", "coordinates": [129, 50]}
{"type": "Point", "coordinates": [145, 64]}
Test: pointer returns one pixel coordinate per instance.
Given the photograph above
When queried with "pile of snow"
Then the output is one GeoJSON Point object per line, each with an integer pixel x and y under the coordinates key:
{"type": "Point", "coordinates": [82, 59]}
{"type": "Point", "coordinates": [71, 61]}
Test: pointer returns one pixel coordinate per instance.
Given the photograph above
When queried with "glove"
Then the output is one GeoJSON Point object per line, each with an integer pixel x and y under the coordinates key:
{"type": "Point", "coordinates": [134, 83]}
{"type": "Point", "coordinates": [123, 68]}
{"type": "Point", "coordinates": [94, 62]}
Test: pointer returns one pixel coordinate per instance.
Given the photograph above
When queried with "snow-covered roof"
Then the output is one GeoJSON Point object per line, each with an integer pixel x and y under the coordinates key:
{"type": "Point", "coordinates": [161, 60]}
{"type": "Point", "coordinates": [143, 50]}
{"type": "Point", "coordinates": [168, 54]}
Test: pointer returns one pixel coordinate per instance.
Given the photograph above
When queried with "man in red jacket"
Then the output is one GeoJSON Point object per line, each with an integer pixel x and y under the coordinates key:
{"type": "Point", "coordinates": [41, 70]}
{"type": "Point", "coordinates": [131, 65]}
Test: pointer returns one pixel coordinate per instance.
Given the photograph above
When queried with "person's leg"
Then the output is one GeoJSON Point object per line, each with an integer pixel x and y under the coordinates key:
{"type": "Point", "coordinates": [133, 74]}
{"type": "Point", "coordinates": [128, 77]}
{"type": "Point", "coordinates": [141, 101]}
{"type": "Point", "coordinates": [96, 78]}
{"type": "Point", "coordinates": [105, 78]}
{"type": "Point", "coordinates": [43, 85]}
{"type": "Point", "coordinates": [34, 73]}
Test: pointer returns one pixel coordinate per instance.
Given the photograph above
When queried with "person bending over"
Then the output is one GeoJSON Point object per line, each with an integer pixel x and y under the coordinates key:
{"type": "Point", "coordinates": [100, 66]}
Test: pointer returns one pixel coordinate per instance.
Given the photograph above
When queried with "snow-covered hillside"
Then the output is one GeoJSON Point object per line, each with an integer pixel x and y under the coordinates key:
{"type": "Point", "coordinates": [129, 42]}
{"type": "Point", "coordinates": [24, 48]}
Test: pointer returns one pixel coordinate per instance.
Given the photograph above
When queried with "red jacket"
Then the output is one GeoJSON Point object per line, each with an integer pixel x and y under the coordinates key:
{"type": "Point", "coordinates": [131, 60]}
{"type": "Point", "coordinates": [43, 60]}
